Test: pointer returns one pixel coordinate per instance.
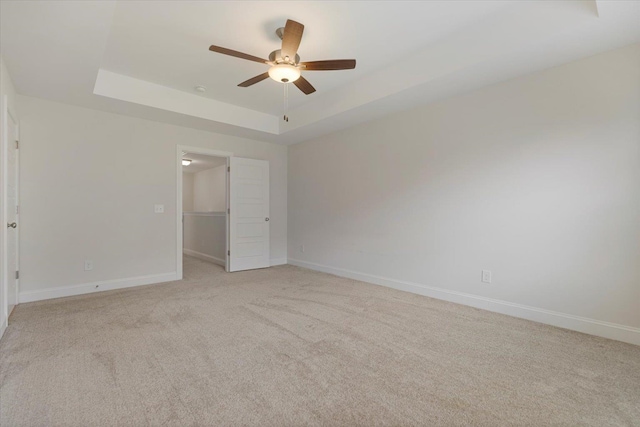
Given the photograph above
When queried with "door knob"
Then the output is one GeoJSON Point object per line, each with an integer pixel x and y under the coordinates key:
{"type": "Point", "coordinates": [266, 219]}
{"type": "Point", "coordinates": [11, 225]}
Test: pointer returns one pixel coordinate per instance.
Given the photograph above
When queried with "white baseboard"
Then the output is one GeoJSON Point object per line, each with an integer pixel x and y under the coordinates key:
{"type": "Point", "coordinates": [88, 288]}
{"type": "Point", "coordinates": [204, 257]}
{"type": "Point", "coordinates": [3, 327]}
{"type": "Point", "coordinates": [599, 328]}
{"type": "Point", "coordinates": [278, 261]}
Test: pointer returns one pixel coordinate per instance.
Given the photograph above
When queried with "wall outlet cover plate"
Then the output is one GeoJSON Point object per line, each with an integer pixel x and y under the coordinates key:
{"type": "Point", "coordinates": [486, 276]}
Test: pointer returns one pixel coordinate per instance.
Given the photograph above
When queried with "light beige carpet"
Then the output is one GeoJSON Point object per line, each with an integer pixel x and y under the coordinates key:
{"type": "Point", "coordinates": [287, 347]}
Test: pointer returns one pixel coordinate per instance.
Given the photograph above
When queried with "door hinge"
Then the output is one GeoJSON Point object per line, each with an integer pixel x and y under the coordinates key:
{"type": "Point", "coordinates": [228, 168]}
{"type": "Point", "coordinates": [17, 209]}
{"type": "Point", "coordinates": [17, 275]}
{"type": "Point", "coordinates": [229, 253]}
{"type": "Point", "coordinates": [17, 145]}
{"type": "Point", "coordinates": [228, 210]}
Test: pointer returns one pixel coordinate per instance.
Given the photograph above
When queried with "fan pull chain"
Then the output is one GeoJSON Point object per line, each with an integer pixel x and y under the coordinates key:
{"type": "Point", "coordinates": [285, 117]}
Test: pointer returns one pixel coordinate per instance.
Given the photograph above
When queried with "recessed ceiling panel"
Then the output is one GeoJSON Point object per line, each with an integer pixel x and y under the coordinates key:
{"type": "Point", "coordinates": [144, 58]}
{"type": "Point", "coordinates": [168, 44]}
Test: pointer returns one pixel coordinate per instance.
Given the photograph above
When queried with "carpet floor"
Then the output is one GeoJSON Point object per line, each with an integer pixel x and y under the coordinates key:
{"type": "Point", "coordinates": [287, 346]}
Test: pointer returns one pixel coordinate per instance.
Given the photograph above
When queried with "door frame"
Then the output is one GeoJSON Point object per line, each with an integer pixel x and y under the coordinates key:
{"type": "Point", "coordinates": [7, 114]}
{"type": "Point", "coordinates": [208, 152]}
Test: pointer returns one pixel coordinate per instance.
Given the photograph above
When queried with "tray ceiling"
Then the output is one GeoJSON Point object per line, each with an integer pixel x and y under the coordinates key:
{"type": "Point", "coordinates": [144, 58]}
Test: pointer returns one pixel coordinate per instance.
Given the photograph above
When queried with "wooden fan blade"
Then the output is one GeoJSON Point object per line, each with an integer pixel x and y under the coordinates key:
{"type": "Point", "coordinates": [225, 51]}
{"type": "Point", "coordinates": [331, 64]}
{"type": "Point", "coordinates": [304, 85]}
{"type": "Point", "coordinates": [254, 80]}
{"type": "Point", "coordinates": [291, 39]}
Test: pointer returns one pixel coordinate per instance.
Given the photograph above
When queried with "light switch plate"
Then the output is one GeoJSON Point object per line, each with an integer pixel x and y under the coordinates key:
{"type": "Point", "coordinates": [158, 208]}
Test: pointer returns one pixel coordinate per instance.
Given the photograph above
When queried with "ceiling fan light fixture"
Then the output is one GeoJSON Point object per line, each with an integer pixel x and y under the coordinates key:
{"type": "Point", "coordinates": [186, 162]}
{"type": "Point", "coordinates": [284, 73]}
{"type": "Point", "coordinates": [285, 62]}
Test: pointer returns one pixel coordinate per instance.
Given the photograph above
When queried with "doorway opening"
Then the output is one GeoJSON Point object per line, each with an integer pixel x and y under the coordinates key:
{"type": "Point", "coordinates": [245, 213]}
{"type": "Point", "coordinates": [204, 207]}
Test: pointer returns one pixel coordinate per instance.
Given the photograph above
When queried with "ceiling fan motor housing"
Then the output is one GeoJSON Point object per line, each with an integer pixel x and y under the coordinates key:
{"type": "Point", "coordinates": [276, 57]}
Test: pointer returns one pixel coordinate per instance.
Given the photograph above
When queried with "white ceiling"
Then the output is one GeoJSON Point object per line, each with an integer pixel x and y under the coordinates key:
{"type": "Point", "coordinates": [143, 58]}
{"type": "Point", "coordinates": [201, 162]}
{"type": "Point", "coordinates": [169, 45]}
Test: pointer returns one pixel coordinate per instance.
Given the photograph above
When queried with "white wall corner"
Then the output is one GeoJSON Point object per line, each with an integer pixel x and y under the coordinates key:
{"type": "Point", "coordinates": [599, 328]}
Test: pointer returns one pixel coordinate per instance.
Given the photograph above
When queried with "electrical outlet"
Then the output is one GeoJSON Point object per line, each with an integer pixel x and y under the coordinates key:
{"type": "Point", "coordinates": [158, 208]}
{"type": "Point", "coordinates": [88, 265]}
{"type": "Point", "coordinates": [301, 248]}
{"type": "Point", "coordinates": [486, 276]}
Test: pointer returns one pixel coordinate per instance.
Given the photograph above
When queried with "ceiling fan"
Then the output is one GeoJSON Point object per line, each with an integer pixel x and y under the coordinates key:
{"type": "Point", "coordinates": [285, 62]}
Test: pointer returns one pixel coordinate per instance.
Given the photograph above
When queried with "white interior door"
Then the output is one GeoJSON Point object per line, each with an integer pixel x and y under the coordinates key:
{"type": "Point", "coordinates": [249, 214]}
{"type": "Point", "coordinates": [11, 214]}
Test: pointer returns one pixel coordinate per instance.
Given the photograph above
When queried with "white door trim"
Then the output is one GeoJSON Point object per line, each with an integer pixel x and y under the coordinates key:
{"type": "Point", "coordinates": [3, 218]}
{"type": "Point", "coordinates": [196, 150]}
{"type": "Point", "coordinates": [11, 140]}
{"type": "Point", "coordinates": [7, 114]}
